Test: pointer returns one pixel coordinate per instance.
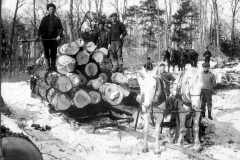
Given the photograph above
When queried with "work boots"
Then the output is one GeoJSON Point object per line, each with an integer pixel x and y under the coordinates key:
{"type": "Point", "coordinates": [210, 112]}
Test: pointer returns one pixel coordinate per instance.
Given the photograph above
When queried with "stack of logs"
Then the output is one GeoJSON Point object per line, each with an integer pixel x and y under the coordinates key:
{"type": "Point", "coordinates": [82, 83]}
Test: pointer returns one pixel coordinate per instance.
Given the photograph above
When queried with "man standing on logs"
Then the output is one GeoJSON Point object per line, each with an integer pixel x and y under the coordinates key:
{"type": "Point", "coordinates": [207, 55]}
{"type": "Point", "coordinates": [50, 31]}
{"type": "Point", "coordinates": [115, 42]}
{"type": "Point", "coordinates": [101, 37]}
{"type": "Point", "coordinates": [209, 82]}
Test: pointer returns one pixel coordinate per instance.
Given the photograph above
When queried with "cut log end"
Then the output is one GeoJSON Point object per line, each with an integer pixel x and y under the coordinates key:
{"type": "Point", "coordinates": [95, 97]}
{"type": "Point", "coordinates": [81, 99]}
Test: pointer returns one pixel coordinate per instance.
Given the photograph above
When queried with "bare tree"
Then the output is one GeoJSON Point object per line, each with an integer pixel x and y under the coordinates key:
{"type": "Point", "coordinates": [19, 4]}
{"type": "Point", "coordinates": [70, 22]}
{"type": "Point", "coordinates": [216, 19]}
{"type": "Point", "coordinates": [234, 8]}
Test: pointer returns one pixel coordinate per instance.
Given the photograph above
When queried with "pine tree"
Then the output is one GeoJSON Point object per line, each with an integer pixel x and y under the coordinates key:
{"type": "Point", "coordinates": [185, 21]}
{"type": "Point", "coordinates": [148, 10]}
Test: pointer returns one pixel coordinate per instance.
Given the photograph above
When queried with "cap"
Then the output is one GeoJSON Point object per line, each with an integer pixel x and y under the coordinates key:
{"type": "Point", "coordinates": [51, 5]}
{"type": "Point", "coordinates": [205, 65]}
{"type": "Point", "coordinates": [113, 14]}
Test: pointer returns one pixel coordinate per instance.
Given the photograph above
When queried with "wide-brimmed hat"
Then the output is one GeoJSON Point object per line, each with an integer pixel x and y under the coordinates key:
{"type": "Point", "coordinates": [51, 5]}
{"type": "Point", "coordinates": [113, 14]}
{"type": "Point", "coordinates": [91, 69]}
{"type": "Point", "coordinates": [162, 64]}
{"type": "Point", "coordinates": [90, 47]}
{"type": "Point", "coordinates": [205, 65]}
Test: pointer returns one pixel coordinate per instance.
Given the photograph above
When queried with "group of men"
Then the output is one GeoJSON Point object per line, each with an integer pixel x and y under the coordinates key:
{"type": "Point", "coordinates": [51, 32]}
{"type": "Point", "coordinates": [209, 82]}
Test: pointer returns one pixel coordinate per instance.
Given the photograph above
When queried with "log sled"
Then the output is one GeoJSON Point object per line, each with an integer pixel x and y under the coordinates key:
{"type": "Point", "coordinates": [82, 84]}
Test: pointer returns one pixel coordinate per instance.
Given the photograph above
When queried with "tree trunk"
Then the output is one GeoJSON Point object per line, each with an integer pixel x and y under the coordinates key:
{"type": "Point", "coordinates": [58, 100]}
{"type": "Point", "coordinates": [70, 22]}
{"type": "Point", "coordinates": [216, 17]}
{"type": "Point", "coordinates": [65, 64]}
{"type": "Point", "coordinates": [54, 79]}
{"type": "Point", "coordinates": [11, 39]}
{"type": "Point", "coordinates": [80, 97]}
{"type": "Point", "coordinates": [111, 93]}
{"type": "Point", "coordinates": [82, 57]}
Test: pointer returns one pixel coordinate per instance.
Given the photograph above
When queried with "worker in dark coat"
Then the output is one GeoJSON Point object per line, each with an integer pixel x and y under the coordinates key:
{"type": "Point", "coordinates": [209, 82]}
{"type": "Point", "coordinates": [207, 55]}
{"type": "Point", "coordinates": [148, 66]}
{"type": "Point", "coordinates": [115, 42]}
{"type": "Point", "coordinates": [51, 30]}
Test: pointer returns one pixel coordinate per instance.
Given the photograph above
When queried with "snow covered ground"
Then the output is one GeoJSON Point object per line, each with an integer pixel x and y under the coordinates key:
{"type": "Point", "coordinates": [66, 143]}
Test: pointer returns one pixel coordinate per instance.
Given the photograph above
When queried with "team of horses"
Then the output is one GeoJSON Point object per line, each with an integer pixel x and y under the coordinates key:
{"type": "Point", "coordinates": [188, 97]}
{"type": "Point", "coordinates": [180, 57]}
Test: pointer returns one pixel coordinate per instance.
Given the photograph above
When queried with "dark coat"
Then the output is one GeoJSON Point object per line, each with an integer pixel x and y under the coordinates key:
{"type": "Point", "coordinates": [47, 30]}
{"type": "Point", "coordinates": [115, 31]}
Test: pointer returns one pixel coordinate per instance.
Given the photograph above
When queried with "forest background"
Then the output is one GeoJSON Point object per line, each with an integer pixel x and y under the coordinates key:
{"type": "Point", "coordinates": [153, 26]}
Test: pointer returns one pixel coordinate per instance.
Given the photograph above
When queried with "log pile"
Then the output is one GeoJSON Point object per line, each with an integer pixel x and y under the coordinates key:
{"type": "Point", "coordinates": [82, 84]}
{"type": "Point", "coordinates": [227, 76]}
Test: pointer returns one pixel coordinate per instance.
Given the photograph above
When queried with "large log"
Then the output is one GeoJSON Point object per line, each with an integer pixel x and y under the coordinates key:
{"type": "Point", "coordinates": [54, 79]}
{"type": "Point", "coordinates": [104, 76]}
{"type": "Point", "coordinates": [91, 69]}
{"type": "Point", "coordinates": [71, 48]}
{"type": "Point", "coordinates": [98, 56]}
{"type": "Point", "coordinates": [96, 83]}
{"type": "Point", "coordinates": [58, 100]}
{"type": "Point", "coordinates": [58, 81]}
{"type": "Point", "coordinates": [95, 97]}
{"type": "Point", "coordinates": [80, 97]}
{"type": "Point", "coordinates": [82, 57]}
{"type": "Point", "coordinates": [111, 93]}
{"type": "Point", "coordinates": [125, 88]}
{"type": "Point", "coordinates": [65, 64]}
{"type": "Point", "coordinates": [119, 78]}
{"type": "Point", "coordinates": [75, 79]}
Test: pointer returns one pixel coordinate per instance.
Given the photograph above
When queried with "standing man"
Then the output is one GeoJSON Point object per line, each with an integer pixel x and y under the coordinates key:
{"type": "Point", "coordinates": [50, 28]}
{"type": "Point", "coordinates": [207, 55]}
{"type": "Point", "coordinates": [115, 42]}
{"type": "Point", "coordinates": [101, 37]}
{"type": "Point", "coordinates": [209, 82]}
{"type": "Point", "coordinates": [148, 66]}
{"type": "Point", "coordinates": [166, 77]}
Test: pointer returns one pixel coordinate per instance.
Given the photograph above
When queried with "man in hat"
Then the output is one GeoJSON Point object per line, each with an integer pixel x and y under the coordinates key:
{"type": "Point", "coordinates": [148, 66]}
{"type": "Point", "coordinates": [51, 30]}
{"type": "Point", "coordinates": [166, 77]}
{"type": "Point", "coordinates": [207, 55]}
{"type": "Point", "coordinates": [115, 42]}
{"type": "Point", "coordinates": [209, 82]}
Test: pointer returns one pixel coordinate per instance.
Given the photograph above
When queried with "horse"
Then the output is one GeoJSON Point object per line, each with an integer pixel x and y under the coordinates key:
{"type": "Point", "coordinates": [182, 57]}
{"type": "Point", "coordinates": [150, 87]}
{"type": "Point", "coordinates": [171, 58]}
{"type": "Point", "coordinates": [190, 100]}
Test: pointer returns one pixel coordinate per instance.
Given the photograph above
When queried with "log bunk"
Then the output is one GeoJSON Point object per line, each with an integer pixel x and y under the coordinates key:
{"type": "Point", "coordinates": [82, 87]}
